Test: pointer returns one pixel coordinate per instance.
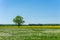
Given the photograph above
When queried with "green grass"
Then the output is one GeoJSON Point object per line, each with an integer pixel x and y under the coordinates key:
{"type": "Point", "coordinates": [29, 34]}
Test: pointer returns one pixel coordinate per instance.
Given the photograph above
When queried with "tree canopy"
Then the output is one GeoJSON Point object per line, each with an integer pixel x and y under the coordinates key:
{"type": "Point", "coordinates": [18, 20]}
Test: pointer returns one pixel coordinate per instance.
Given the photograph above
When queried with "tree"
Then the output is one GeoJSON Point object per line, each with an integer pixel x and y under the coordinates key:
{"type": "Point", "coordinates": [18, 20]}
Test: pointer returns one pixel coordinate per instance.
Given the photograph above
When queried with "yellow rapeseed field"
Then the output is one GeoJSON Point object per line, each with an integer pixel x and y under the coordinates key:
{"type": "Point", "coordinates": [40, 27]}
{"type": "Point", "coordinates": [30, 26]}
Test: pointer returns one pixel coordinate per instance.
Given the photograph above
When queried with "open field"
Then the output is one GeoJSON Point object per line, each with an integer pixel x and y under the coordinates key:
{"type": "Point", "coordinates": [29, 33]}
{"type": "Point", "coordinates": [30, 26]}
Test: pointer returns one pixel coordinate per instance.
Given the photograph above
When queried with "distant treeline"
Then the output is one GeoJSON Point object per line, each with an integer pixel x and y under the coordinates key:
{"type": "Point", "coordinates": [31, 25]}
{"type": "Point", "coordinates": [44, 24]}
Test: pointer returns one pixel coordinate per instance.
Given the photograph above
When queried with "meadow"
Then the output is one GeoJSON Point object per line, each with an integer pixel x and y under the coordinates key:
{"type": "Point", "coordinates": [30, 33]}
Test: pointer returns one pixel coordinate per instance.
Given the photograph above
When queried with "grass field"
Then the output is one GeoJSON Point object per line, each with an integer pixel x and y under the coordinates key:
{"type": "Point", "coordinates": [29, 33]}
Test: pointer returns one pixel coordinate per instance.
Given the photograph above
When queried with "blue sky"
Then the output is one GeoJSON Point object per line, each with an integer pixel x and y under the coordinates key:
{"type": "Point", "coordinates": [33, 11]}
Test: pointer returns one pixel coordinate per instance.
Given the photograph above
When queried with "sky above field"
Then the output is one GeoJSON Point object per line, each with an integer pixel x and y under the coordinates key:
{"type": "Point", "coordinates": [33, 11]}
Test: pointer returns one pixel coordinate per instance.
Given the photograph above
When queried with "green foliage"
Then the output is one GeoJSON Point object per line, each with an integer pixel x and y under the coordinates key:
{"type": "Point", "coordinates": [18, 20]}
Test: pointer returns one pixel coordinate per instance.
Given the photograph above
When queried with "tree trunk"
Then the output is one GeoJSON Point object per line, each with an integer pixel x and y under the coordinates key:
{"type": "Point", "coordinates": [18, 25]}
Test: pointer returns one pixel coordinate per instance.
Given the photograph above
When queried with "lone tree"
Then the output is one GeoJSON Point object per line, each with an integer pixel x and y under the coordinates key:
{"type": "Point", "coordinates": [18, 20]}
